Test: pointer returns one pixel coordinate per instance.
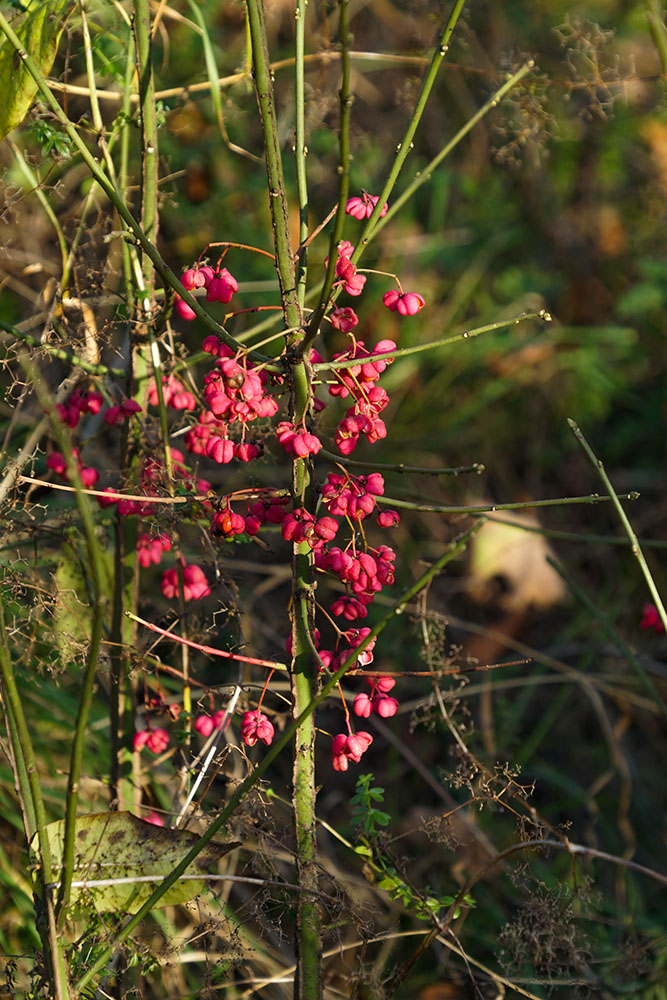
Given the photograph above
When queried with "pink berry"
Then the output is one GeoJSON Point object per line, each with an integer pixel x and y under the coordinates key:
{"type": "Point", "coordinates": [204, 725]}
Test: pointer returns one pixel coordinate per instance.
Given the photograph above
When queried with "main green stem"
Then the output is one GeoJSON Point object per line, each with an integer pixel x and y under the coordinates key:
{"type": "Point", "coordinates": [307, 984]}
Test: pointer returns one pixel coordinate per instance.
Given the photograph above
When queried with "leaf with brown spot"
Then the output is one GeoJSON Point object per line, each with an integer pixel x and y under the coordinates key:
{"type": "Point", "coordinates": [120, 848]}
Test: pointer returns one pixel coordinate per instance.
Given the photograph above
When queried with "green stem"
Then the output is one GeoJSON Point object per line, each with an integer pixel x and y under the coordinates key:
{"type": "Point", "coordinates": [655, 16]}
{"type": "Point", "coordinates": [307, 982]}
{"type": "Point", "coordinates": [615, 499]}
{"type": "Point", "coordinates": [308, 979]}
{"type": "Point", "coordinates": [23, 750]}
{"type": "Point", "coordinates": [401, 352]}
{"type": "Point", "coordinates": [99, 601]}
{"type": "Point", "coordinates": [22, 779]}
{"type": "Point", "coordinates": [453, 550]}
{"type": "Point", "coordinates": [578, 536]}
{"type": "Point", "coordinates": [300, 149]}
{"type": "Point", "coordinates": [491, 508]}
{"type": "Point", "coordinates": [477, 468]}
{"type": "Point", "coordinates": [149, 148]}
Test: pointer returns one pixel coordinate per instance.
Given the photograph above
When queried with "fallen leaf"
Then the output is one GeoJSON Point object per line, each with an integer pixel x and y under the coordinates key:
{"type": "Point", "coordinates": [520, 558]}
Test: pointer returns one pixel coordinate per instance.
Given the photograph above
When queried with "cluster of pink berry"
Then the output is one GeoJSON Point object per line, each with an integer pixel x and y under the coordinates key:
{"type": "Point", "coordinates": [78, 403]}
{"type": "Point", "coordinates": [195, 584]}
{"type": "Point", "coordinates": [349, 279]}
{"type": "Point", "coordinates": [155, 740]}
{"type": "Point", "coordinates": [220, 285]}
{"type": "Point", "coordinates": [151, 547]}
{"type": "Point", "coordinates": [364, 576]}
{"type": "Point", "coordinates": [358, 381]}
{"type": "Point", "coordinates": [174, 394]}
{"type": "Point", "coordinates": [348, 747]}
{"type": "Point", "coordinates": [254, 726]}
{"type": "Point", "coordinates": [378, 700]}
{"type": "Point", "coordinates": [353, 496]}
{"type": "Point", "coordinates": [56, 462]}
{"type": "Point", "coordinates": [235, 394]}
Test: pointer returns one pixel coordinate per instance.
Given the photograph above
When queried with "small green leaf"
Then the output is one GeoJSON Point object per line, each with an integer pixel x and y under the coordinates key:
{"type": "Point", "coordinates": [380, 817]}
{"type": "Point", "coordinates": [389, 882]}
{"type": "Point", "coordinates": [119, 848]}
{"type": "Point", "coordinates": [39, 32]}
{"type": "Point", "coordinates": [363, 850]}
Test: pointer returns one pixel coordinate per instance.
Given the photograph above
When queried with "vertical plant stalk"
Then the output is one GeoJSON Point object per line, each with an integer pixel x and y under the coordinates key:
{"type": "Point", "coordinates": [33, 805]}
{"type": "Point", "coordinates": [345, 157]}
{"type": "Point", "coordinates": [300, 148]}
{"type": "Point", "coordinates": [274, 168]}
{"type": "Point", "coordinates": [307, 985]}
{"type": "Point", "coordinates": [149, 151]}
{"type": "Point", "coordinates": [655, 16]}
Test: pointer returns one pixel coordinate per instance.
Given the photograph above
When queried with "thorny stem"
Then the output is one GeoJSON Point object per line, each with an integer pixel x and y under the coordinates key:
{"type": "Point", "coordinates": [308, 980]}
{"type": "Point", "coordinates": [399, 606]}
{"type": "Point", "coordinates": [149, 151]}
{"type": "Point", "coordinates": [477, 467]}
{"type": "Point", "coordinates": [274, 169]}
{"type": "Point", "coordinates": [300, 149]}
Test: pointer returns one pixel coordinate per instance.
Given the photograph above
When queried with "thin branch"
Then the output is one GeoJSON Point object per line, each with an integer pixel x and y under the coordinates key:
{"type": "Point", "coordinates": [490, 508]}
{"type": "Point", "coordinates": [615, 499]}
{"type": "Point", "coordinates": [443, 342]}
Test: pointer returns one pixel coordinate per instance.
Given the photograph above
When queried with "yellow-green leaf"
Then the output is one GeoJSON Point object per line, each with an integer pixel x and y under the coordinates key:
{"type": "Point", "coordinates": [120, 859]}
{"type": "Point", "coordinates": [39, 31]}
{"type": "Point", "coordinates": [72, 614]}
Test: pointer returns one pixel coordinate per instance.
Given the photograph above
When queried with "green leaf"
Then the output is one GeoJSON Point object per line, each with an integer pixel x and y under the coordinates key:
{"type": "Point", "coordinates": [110, 847]}
{"type": "Point", "coordinates": [389, 882]}
{"type": "Point", "coordinates": [39, 31]}
{"type": "Point", "coordinates": [72, 614]}
{"type": "Point", "coordinates": [365, 851]}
